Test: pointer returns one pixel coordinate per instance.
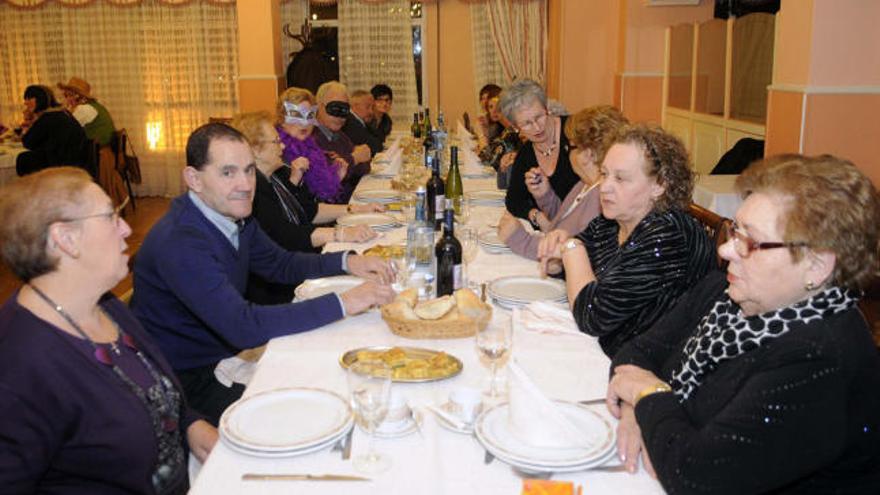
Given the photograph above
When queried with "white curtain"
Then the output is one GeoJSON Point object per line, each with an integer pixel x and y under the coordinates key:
{"type": "Point", "coordinates": [487, 63]}
{"type": "Point", "coordinates": [519, 30]}
{"type": "Point", "coordinates": [375, 46]}
{"type": "Point", "coordinates": [161, 70]}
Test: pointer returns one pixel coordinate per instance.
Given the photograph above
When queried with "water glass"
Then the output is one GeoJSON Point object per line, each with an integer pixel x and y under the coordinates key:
{"type": "Point", "coordinates": [468, 237]}
{"type": "Point", "coordinates": [494, 344]}
{"type": "Point", "coordinates": [370, 387]}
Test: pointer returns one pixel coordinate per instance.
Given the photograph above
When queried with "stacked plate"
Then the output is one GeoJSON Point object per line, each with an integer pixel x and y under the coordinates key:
{"type": "Point", "coordinates": [376, 221]}
{"type": "Point", "coordinates": [317, 287]}
{"type": "Point", "coordinates": [286, 422]}
{"type": "Point", "coordinates": [493, 431]}
{"type": "Point", "coordinates": [477, 172]}
{"type": "Point", "coordinates": [511, 292]}
{"type": "Point", "coordinates": [490, 241]}
{"type": "Point", "coordinates": [486, 198]}
{"type": "Point", "coordinates": [383, 196]}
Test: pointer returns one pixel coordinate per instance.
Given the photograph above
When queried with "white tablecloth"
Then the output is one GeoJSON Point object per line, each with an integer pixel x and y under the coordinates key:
{"type": "Point", "coordinates": [8, 153]}
{"type": "Point", "coordinates": [436, 461]}
{"type": "Point", "coordinates": [716, 193]}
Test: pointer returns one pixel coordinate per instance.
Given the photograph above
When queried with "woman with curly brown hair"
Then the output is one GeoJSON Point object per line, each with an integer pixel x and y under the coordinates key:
{"type": "Point", "coordinates": [632, 262]}
{"type": "Point", "coordinates": [765, 379]}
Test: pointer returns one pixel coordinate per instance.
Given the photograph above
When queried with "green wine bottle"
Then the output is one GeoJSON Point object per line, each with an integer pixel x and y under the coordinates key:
{"type": "Point", "coordinates": [454, 190]}
{"type": "Point", "coordinates": [416, 127]}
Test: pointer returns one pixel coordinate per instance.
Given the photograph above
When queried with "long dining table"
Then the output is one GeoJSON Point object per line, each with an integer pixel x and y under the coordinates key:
{"type": "Point", "coordinates": [432, 460]}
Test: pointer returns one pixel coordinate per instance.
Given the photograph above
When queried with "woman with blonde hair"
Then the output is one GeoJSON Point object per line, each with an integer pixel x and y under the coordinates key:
{"type": "Point", "coordinates": [89, 405]}
{"type": "Point", "coordinates": [295, 120]}
{"type": "Point", "coordinates": [764, 379]}
{"type": "Point", "coordinates": [589, 133]}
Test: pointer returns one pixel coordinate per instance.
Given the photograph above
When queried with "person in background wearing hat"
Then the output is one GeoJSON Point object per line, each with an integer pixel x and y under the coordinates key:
{"type": "Point", "coordinates": [51, 136]}
{"type": "Point", "coordinates": [99, 127]}
{"type": "Point", "coordinates": [381, 124]}
{"type": "Point", "coordinates": [333, 109]}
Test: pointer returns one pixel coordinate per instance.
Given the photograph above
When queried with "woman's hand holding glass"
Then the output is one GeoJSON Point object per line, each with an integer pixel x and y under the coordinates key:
{"type": "Point", "coordinates": [370, 387]}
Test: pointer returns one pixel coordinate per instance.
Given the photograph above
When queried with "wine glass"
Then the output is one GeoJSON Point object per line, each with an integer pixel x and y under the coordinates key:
{"type": "Point", "coordinates": [494, 344]}
{"type": "Point", "coordinates": [370, 388]}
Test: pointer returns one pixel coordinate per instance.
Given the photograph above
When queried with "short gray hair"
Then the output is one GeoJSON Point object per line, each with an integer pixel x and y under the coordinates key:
{"type": "Point", "coordinates": [329, 87]}
{"type": "Point", "coordinates": [520, 94]}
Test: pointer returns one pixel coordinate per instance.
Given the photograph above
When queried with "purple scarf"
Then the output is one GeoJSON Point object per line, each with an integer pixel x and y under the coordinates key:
{"type": "Point", "coordinates": [321, 177]}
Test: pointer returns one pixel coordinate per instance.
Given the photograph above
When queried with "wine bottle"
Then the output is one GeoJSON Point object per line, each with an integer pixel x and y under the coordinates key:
{"type": "Point", "coordinates": [426, 124]}
{"type": "Point", "coordinates": [448, 253]}
{"type": "Point", "coordinates": [419, 236]}
{"type": "Point", "coordinates": [454, 190]}
{"type": "Point", "coordinates": [416, 127]}
{"type": "Point", "coordinates": [436, 194]}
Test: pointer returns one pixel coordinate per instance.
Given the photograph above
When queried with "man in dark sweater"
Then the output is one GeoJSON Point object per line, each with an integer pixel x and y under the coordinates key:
{"type": "Point", "coordinates": [356, 124]}
{"type": "Point", "coordinates": [191, 272]}
{"type": "Point", "coordinates": [333, 109]}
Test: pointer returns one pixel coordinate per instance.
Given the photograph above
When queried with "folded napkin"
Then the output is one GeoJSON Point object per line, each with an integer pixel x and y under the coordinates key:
{"type": "Point", "coordinates": [536, 420]}
{"type": "Point", "coordinates": [234, 370]}
{"type": "Point", "coordinates": [546, 318]}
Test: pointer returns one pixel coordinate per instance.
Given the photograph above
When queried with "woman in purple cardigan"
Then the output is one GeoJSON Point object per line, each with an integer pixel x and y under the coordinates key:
{"type": "Point", "coordinates": [296, 119]}
{"type": "Point", "coordinates": [588, 132]}
{"type": "Point", "coordinates": [89, 403]}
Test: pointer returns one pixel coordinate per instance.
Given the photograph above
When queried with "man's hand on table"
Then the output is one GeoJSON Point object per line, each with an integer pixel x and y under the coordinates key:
{"type": "Point", "coordinates": [371, 268]}
{"type": "Point", "coordinates": [356, 233]}
{"type": "Point", "coordinates": [365, 296]}
{"type": "Point", "coordinates": [361, 153]}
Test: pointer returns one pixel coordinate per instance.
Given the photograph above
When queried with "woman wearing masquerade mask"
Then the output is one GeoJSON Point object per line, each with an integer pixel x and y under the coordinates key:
{"type": "Point", "coordinates": [296, 119]}
{"type": "Point", "coordinates": [286, 211]}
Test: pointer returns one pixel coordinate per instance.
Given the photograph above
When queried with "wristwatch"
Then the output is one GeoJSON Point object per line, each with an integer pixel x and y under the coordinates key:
{"type": "Point", "coordinates": [570, 244]}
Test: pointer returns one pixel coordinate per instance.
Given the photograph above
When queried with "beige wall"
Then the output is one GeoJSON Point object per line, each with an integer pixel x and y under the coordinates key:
{"type": "Point", "coordinates": [450, 59]}
{"type": "Point", "coordinates": [261, 75]}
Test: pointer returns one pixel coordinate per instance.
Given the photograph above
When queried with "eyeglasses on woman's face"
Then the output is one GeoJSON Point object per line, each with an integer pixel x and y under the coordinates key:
{"type": "Point", "coordinates": [743, 245]}
{"type": "Point", "coordinates": [534, 123]}
{"type": "Point", "coordinates": [113, 215]}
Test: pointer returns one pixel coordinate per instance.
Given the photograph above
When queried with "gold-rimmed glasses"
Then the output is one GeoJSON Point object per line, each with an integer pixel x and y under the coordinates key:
{"type": "Point", "coordinates": [536, 123]}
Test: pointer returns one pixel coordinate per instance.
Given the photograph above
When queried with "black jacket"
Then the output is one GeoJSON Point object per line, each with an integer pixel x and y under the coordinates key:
{"type": "Point", "coordinates": [358, 132]}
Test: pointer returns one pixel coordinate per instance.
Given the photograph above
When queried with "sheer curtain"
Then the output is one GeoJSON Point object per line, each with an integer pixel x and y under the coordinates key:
{"type": "Point", "coordinates": [160, 69]}
{"type": "Point", "coordinates": [375, 46]}
{"type": "Point", "coordinates": [519, 30]}
{"type": "Point", "coordinates": [487, 63]}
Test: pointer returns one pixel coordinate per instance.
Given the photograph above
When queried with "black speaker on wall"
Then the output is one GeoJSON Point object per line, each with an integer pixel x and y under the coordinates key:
{"type": "Point", "coordinates": [739, 8]}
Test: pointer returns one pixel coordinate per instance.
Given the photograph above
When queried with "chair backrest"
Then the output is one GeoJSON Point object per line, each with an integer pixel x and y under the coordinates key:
{"type": "Point", "coordinates": [714, 224]}
{"type": "Point", "coordinates": [91, 156]}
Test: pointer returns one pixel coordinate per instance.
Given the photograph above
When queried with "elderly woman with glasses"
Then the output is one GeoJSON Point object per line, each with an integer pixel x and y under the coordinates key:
{"type": "Point", "coordinates": [89, 403]}
{"type": "Point", "coordinates": [322, 176]}
{"type": "Point", "coordinates": [542, 164]}
{"type": "Point", "coordinates": [286, 211]}
{"type": "Point", "coordinates": [590, 132]}
{"type": "Point", "coordinates": [631, 263]}
{"type": "Point", "coordinates": [765, 379]}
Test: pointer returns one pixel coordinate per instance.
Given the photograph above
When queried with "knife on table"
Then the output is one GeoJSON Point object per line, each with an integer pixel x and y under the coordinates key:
{"type": "Point", "coordinates": [301, 477]}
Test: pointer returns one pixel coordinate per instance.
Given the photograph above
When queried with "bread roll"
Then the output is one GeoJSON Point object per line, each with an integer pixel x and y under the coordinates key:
{"type": "Point", "coordinates": [400, 309]}
{"type": "Point", "coordinates": [435, 308]}
{"type": "Point", "coordinates": [409, 296]}
{"type": "Point", "coordinates": [469, 304]}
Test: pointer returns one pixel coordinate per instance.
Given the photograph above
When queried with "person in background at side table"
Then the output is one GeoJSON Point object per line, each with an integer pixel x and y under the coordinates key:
{"type": "Point", "coordinates": [632, 262]}
{"type": "Point", "coordinates": [283, 211]}
{"type": "Point", "coordinates": [99, 127]}
{"type": "Point", "coordinates": [590, 133]}
{"type": "Point", "coordinates": [357, 124]}
{"type": "Point", "coordinates": [89, 404]}
{"type": "Point", "coordinates": [381, 123]}
{"type": "Point", "coordinates": [53, 138]}
{"type": "Point", "coordinates": [191, 272]}
{"type": "Point", "coordinates": [544, 157]}
{"type": "Point", "coordinates": [764, 379]}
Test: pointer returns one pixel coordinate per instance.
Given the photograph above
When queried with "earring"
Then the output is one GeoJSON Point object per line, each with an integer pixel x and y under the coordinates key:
{"type": "Point", "coordinates": [809, 285]}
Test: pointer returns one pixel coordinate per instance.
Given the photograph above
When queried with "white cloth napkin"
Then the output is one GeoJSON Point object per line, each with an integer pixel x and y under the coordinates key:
{"type": "Point", "coordinates": [546, 318]}
{"type": "Point", "coordinates": [234, 370]}
{"type": "Point", "coordinates": [535, 420]}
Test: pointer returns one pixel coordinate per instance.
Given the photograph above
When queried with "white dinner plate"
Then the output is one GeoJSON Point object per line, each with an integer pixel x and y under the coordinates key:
{"type": "Point", "coordinates": [377, 221]}
{"type": "Point", "coordinates": [492, 429]}
{"type": "Point", "coordinates": [285, 420]}
{"type": "Point", "coordinates": [286, 453]}
{"type": "Point", "coordinates": [317, 287]}
{"type": "Point", "coordinates": [489, 238]}
{"type": "Point", "coordinates": [486, 197]}
{"type": "Point", "coordinates": [377, 196]}
{"type": "Point", "coordinates": [481, 173]}
{"type": "Point", "coordinates": [521, 290]}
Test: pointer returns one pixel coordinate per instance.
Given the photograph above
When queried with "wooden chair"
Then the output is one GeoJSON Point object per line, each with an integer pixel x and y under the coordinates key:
{"type": "Point", "coordinates": [714, 225]}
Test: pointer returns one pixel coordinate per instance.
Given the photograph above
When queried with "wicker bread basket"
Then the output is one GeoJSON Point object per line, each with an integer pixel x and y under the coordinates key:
{"type": "Point", "coordinates": [444, 328]}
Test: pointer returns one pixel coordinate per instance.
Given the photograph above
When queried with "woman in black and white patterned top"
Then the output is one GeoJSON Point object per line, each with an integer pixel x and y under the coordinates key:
{"type": "Point", "coordinates": [765, 380]}
{"type": "Point", "coordinates": [631, 263]}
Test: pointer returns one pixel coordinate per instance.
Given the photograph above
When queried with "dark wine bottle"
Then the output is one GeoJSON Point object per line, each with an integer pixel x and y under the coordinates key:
{"type": "Point", "coordinates": [416, 127]}
{"type": "Point", "coordinates": [448, 253]}
{"type": "Point", "coordinates": [436, 194]}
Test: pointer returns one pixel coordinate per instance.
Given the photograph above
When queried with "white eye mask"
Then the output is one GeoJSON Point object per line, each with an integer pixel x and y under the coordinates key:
{"type": "Point", "coordinates": [301, 114]}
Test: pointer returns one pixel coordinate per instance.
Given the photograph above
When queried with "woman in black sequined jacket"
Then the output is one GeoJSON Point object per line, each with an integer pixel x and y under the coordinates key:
{"type": "Point", "coordinates": [765, 379]}
{"type": "Point", "coordinates": [631, 263]}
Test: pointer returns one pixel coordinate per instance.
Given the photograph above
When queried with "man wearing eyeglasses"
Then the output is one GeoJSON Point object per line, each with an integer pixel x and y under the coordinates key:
{"type": "Point", "coordinates": [381, 124]}
{"type": "Point", "coordinates": [333, 109]}
{"type": "Point", "coordinates": [191, 272]}
{"type": "Point", "coordinates": [356, 124]}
